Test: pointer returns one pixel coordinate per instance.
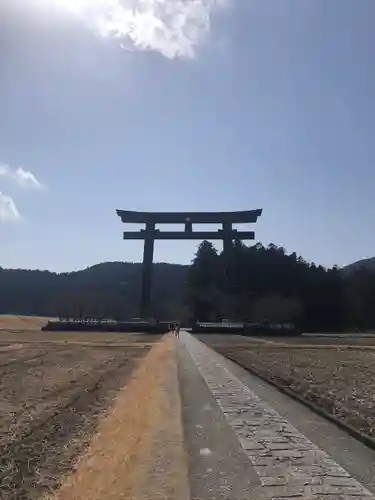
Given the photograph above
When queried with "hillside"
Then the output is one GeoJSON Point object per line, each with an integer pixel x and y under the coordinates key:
{"type": "Point", "coordinates": [368, 264]}
{"type": "Point", "coordinates": [108, 289]}
{"type": "Point", "coordinates": [253, 282]}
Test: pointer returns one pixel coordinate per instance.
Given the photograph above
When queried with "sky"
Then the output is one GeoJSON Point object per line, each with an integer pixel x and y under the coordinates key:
{"type": "Point", "coordinates": [174, 105]}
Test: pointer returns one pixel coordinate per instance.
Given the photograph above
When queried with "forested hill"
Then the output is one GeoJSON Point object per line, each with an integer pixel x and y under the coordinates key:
{"type": "Point", "coordinates": [367, 264]}
{"type": "Point", "coordinates": [109, 289]}
{"type": "Point", "coordinates": [265, 283]}
{"type": "Point", "coordinates": [255, 283]}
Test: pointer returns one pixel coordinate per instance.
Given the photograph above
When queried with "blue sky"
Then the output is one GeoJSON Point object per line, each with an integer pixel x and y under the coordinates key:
{"type": "Point", "coordinates": [177, 105]}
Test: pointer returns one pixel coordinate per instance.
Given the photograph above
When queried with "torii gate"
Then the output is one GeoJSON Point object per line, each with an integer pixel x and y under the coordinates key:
{"type": "Point", "coordinates": [227, 234]}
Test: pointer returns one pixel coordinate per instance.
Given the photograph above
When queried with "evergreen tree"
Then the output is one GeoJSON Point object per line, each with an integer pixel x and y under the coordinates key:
{"type": "Point", "coordinates": [203, 296]}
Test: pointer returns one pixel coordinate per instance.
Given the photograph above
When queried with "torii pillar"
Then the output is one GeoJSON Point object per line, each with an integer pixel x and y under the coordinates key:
{"type": "Point", "coordinates": [148, 256]}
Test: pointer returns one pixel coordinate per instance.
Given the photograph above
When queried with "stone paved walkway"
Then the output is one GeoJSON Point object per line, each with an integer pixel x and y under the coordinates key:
{"type": "Point", "coordinates": [289, 465]}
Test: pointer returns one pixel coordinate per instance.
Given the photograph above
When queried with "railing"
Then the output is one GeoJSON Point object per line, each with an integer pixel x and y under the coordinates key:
{"type": "Point", "coordinates": [220, 325]}
{"type": "Point", "coordinates": [86, 320]}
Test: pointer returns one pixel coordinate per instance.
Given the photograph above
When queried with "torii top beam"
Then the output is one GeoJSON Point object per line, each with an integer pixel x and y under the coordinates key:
{"type": "Point", "coordinates": [246, 216]}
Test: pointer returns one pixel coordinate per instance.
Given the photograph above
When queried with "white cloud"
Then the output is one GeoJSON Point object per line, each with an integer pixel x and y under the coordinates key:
{"type": "Point", "coordinates": [26, 179]}
{"type": "Point", "coordinates": [4, 170]}
{"type": "Point", "coordinates": [172, 27]}
{"type": "Point", "coordinates": [8, 209]}
{"type": "Point", "coordinates": [23, 178]}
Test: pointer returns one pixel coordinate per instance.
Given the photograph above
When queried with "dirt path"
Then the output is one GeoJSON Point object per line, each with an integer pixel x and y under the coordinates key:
{"type": "Point", "coordinates": [138, 450]}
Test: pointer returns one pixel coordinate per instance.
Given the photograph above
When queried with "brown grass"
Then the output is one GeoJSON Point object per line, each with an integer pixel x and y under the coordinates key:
{"type": "Point", "coordinates": [51, 397]}
{"type": "Point", "coordinates": [38, 337]}
{"type": "Point", "coordinates": [329, 341]}
{"type": "Point", "coordinates": [138, 451]}
{"type": "Point", "coordinates": [340, 380]}
{"type": "Point", "coordinates": [13, 322]}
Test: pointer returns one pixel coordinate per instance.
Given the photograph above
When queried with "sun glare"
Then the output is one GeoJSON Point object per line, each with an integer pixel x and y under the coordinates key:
{"type": "Point", "coordinates": [172, 27]}
{"type": "Point", "coordinates": [72, 6]}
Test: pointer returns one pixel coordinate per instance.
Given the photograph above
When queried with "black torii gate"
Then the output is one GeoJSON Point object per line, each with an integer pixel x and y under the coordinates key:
{"type": "Point", "coordinates": [227, 234]}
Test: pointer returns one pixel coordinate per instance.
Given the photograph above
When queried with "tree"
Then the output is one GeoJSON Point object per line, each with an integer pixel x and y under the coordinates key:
{"type": "Point", "coordinates": [203, 295]}
{"type": "Point", "coordinates": [274, 308]}
{"type": "Point", "coordinates": [257, 281]}
{"type": "Point", "coordinates": [360, 291]}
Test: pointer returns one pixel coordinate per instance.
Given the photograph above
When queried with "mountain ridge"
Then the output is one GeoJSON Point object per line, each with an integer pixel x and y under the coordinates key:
{"type": "Point", "coordinates": [108, 288]}
{"type": "Point", "coordinates": [368, 264]}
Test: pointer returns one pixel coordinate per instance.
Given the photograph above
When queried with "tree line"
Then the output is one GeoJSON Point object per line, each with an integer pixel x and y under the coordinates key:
{"type": "Point", "coordinates": [254, 283]}
{"type": "Point", "coordinates": [109, 290]}
{"type": "Point", "coordinates": [258, 283]}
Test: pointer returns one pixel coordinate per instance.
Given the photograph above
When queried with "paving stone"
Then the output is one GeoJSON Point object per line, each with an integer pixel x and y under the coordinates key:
{"type": "Point", "coordinates": [305, 480]}
{"type": "Point", "coordinates": [249, 444]}
{"type": "Point", "coordinates": [277, 439]}
{"type": "Point", "coordinates": [336, 472]}
{"type": "Point", "coordinates": [274, 481]}
{"type": "Point", "coordinates": [289, 490]}
{"type": "Point", "coordinates": [288, 453]}
{"type": "Point", "coordinates": [339, 481]}
{"type": "Point", "coordinates": [282, 445]}
{"type": "Point", "coordinates": [335, 490]}
{"type": "Point", "coordinates": [308, 470]}
{"type": "Point", "coordinates": [271, 471]}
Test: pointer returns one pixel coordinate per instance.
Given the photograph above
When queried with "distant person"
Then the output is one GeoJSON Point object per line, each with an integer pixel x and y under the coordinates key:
{"type": "Point", "coordinates": [175, 329]}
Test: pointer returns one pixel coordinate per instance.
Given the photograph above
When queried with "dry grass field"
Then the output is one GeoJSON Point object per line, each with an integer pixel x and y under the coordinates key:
{"type": "Point", "coordinates": [339, 377]}
{"type": "Point", "coordinates": [53, 389]}
{"type": "Point", "coordinates": [12, 322]}
{"type": "Point", "coordinates": [337, 340]}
